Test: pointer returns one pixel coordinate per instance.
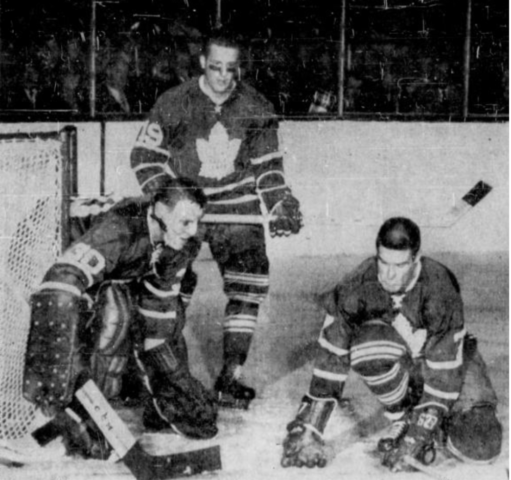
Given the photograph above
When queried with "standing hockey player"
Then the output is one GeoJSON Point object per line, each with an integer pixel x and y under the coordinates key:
{"type": "Point", "coordinates": [397, 321]}
{"type": "Point", "coordinates": [131, 261]}
{"type": "Point", "coordinates": [220, 132]}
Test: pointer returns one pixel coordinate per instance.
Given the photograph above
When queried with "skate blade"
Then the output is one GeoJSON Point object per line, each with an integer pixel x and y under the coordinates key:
{"type": "Point", "coordinates": [226, 401]}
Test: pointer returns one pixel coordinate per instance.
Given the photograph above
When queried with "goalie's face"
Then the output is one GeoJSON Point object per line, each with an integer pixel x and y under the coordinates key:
{"type": "Point", "coordinates": [175, 226]}
{"type": "Point", "coordinates": [396, 269]}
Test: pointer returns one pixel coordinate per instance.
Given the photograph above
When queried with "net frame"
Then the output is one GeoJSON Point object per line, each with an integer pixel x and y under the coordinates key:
{"type": "Point", "coordinates": [22, 263]}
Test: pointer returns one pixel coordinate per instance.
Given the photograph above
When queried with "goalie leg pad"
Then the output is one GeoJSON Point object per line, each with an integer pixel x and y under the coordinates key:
{"type": "Point", "coordinates": [54, 358]}
{"type": "Point", "coordinates": [110, 357]}
{"type": "Point", "coordinates": [114, 310]}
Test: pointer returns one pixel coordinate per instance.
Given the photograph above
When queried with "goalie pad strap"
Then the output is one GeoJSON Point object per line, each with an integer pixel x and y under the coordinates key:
{"type": "Point", "coordinates": [53, 359]}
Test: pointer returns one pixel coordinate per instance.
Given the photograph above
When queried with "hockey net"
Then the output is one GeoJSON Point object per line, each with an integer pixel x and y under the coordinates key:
{"type": "Point", "coordinates": [35, 182]}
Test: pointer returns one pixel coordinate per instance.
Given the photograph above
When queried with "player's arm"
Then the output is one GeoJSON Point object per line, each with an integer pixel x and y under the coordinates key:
{"type": "Point", "coordinates": [160, 289]}
{"type": "Point", "coordinates": [267, 163]}
{"type": "Point", "coordinates": [150, 159]}
{"type": "Point", "coordinates": [304, 443]}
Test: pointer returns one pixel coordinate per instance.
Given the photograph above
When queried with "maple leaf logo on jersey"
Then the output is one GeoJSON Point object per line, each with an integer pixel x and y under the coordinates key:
{"type": "Point", "coordinates": [217, 153]}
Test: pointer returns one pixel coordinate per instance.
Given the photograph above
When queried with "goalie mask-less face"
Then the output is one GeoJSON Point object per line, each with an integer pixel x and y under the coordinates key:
{"type": "Point", "coordinates": [175, 226]}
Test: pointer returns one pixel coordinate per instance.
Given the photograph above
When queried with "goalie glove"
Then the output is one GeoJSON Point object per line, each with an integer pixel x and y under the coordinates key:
{"type": "Point", "coordinates": [179, 400]}
{"type": "Point", "coordinates": [304, 445]}
{"type": "Point", "coordinates": [418, 443]}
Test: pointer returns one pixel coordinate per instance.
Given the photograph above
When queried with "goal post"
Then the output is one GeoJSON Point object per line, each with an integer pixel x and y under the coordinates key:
{"type": "Point", "coordinates": [37, 180]}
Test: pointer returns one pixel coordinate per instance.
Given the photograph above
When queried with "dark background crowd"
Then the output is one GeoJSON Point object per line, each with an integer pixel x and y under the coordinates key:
{"type": "Point", "coordinates": [399, 57]}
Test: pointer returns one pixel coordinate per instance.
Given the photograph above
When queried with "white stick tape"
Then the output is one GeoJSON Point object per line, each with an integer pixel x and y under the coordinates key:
{"type": "Point", "coordinates": [106, 418]}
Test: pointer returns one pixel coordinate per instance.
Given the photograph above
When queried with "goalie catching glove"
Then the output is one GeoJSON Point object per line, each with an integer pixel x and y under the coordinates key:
{"type": "Point", "coordinates": [304, 445]}
{"type": "Point", "coordinates": [179, 400]}
{"type": "Point", "coordinates": [418, 443]}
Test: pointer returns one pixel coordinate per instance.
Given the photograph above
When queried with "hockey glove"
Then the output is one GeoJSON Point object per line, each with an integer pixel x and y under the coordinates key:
{"type": "Point", "coordinates": [278, 202]}
{"type": "Point", "coordinates": [179, 400]}
{"type": "Point", "coordinates": [418, 443]}
{"type": "Point", "coordinates": [304, 445]}
{"type": "Point", "coordinates": [286, 217]}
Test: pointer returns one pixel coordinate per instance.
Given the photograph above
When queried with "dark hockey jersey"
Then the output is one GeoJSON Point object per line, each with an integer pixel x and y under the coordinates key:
{"type": "Point", "coordinates": [117, 247]}
{"type": "Point", "coordinates": [429, 317]}
{"type": "Point", "coordinates": [231, 150]}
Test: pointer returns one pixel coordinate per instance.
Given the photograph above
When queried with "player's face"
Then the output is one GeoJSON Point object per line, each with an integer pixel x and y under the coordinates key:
{"type": "Point", "coordinates": [396, 269]}
{"type": "Point", "coordinates": [220, 67]}
{"type": "Point", "coordinates": [179, 224]}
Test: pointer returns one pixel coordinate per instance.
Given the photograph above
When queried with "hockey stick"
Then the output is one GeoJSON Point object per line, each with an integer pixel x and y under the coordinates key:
{"type": "Point", "coordinates": [141, 464]}
{"type": "Point", "coordinates": [429, 471]}
{"type": "Point", "coordinates": [466, 203]}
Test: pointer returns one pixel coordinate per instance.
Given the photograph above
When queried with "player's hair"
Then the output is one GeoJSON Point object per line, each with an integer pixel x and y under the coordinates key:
{"type": "Point", "coordinates": [222, 38]}
{"type": "Point", "coordinates": [399, 233]}
{"type": "Point", "coordinates": [174, 190]}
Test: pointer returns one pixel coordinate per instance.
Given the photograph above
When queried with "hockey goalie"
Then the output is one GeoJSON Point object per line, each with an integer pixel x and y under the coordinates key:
{"type": "Point", "coordinates": [119, 291]}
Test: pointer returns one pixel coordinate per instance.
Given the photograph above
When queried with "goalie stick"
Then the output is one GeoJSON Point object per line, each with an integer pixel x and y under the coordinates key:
{"type": "Point", "coordinates": [142, 465]}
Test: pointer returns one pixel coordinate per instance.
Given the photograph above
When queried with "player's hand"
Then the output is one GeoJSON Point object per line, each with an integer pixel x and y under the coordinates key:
{"type": "Point", "coordinates": [417, 443]}
{"type": "Point", "coordinates": [286, 217]}
{"type": "Point", "coordinates": [303, 447]}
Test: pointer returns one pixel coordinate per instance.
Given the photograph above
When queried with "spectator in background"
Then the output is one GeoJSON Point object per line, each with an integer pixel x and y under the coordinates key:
{"type": "Point", "coordinates": [73, 75]}
{"type": "Point", "coordinates": [25, 94]}
{"type": "Point", "coordinates": [111, 94]}
{"type": "Point", "coordinates": [271, 73]}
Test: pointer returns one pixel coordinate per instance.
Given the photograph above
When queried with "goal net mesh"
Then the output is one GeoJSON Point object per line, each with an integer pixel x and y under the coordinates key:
{"type": "Point", "coordinates": [31, 203]}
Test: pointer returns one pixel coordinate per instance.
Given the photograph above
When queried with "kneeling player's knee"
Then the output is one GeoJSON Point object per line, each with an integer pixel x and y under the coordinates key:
{"type": "Point", "coordinates": [376, 350]}
{"type": "Point", "coordinates": [475, 435]}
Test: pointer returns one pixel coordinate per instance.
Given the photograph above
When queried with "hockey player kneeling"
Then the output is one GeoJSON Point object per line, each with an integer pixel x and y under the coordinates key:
{"type": "Point", "coordinates": [135, 262]}
{"type": "Point", "coordinates": [397, 321]}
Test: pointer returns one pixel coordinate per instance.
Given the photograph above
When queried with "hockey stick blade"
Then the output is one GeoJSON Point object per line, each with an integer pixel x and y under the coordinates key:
{"type": "Point", "coordinates": [141, 464]}
{"type": "Point", "coordinates": [474, 196]}
{"type": "Point", "coordinates": [429, 471]}
{"type": "Point", "coordinates": [147, 467]}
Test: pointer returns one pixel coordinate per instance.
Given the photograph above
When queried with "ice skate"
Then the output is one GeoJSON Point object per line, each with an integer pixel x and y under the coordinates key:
{"type": "Point", "coordinates": [394, 435]}
{"type": "Point", "coordinates": [231, 392]}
